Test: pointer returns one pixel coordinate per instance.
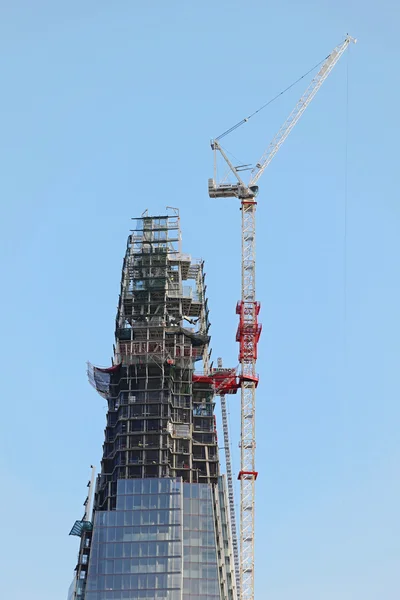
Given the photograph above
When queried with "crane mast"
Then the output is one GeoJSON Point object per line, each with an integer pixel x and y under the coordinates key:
{"type": "Point", "coordinates": [249, 329]}
{"type": "Point", "coordinates": [248, 334]}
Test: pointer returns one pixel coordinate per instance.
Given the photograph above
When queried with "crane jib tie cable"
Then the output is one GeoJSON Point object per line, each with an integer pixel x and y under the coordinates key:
{"type": "Point", "coordinates": [270, 101]}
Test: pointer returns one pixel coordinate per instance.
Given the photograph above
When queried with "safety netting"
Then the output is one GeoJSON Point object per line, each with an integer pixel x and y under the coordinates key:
{"type": "Point", "coordinates": [100, 378]}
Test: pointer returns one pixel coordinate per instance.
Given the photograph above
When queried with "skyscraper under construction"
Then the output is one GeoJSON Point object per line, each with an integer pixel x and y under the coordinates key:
{"type": "Point", "coordinates": [160, 526]}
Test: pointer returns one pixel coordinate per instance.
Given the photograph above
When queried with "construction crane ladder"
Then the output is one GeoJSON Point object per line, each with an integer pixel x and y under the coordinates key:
{"type": "Point", "coordinates": [229, 478]}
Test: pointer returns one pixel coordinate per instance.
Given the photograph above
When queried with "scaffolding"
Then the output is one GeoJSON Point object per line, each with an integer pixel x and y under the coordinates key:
{"type": "Point", "coordinates": [160, 420]}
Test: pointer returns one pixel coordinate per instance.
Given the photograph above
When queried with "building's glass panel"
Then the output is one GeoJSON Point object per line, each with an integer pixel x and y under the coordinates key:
{"type": "Point", "coordinates": [163, 545]}
{"type": "Point", "coordinates": [200, 572]}
{"type": "Point", "coordinates": [138, 548]}
{"type": "Point", "coordinates": [71, 590]}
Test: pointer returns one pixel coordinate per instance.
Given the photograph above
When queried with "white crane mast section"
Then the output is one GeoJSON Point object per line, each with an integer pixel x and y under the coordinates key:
{"type": "Point", "coordinates": [299, 109]}
{"type": "Point", "coordinates": [248, 335]}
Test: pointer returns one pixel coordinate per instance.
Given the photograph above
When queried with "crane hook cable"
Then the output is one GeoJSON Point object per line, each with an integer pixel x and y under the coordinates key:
{"type": "Point", "coordinates": [270, 101]}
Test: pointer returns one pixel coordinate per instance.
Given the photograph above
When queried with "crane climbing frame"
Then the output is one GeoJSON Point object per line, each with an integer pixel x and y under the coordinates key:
{"type": "Point", "coordinates": [249, 329]}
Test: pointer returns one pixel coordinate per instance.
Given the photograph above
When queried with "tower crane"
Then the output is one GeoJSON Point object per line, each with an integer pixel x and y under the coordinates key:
{"type": "Point", "coordinates": [248, 308]}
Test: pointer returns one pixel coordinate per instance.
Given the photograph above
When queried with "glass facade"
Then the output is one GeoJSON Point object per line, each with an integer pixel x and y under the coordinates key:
{"type": "Point", "coordinates": [159, 543]}
{"type": "Point", "coordinates": [200, 572]}
{"type": "Point", "coordinates": [71, 590]}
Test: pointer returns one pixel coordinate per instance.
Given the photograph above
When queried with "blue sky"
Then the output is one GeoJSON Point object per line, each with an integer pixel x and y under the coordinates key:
{"type": "Point", "coordinates": [107, 109]}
